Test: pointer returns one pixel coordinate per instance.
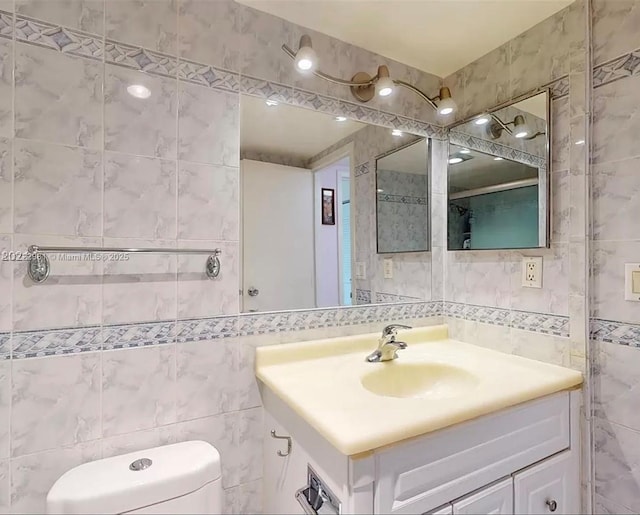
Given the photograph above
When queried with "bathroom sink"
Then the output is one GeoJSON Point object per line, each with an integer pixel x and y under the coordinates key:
{"type": "Point", "coordinates": [418, 380]}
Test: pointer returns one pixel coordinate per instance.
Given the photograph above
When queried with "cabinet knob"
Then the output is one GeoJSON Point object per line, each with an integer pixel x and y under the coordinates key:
{"type": "Point", "coordinates": [552, 505]}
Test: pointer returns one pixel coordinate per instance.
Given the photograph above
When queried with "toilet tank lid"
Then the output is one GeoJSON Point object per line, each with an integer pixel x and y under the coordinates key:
{"type": "Point", "coordinates": [111, 486]}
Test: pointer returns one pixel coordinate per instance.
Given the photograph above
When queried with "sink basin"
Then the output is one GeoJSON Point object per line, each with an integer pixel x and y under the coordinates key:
{"type": "Point", "coordinates": [418, 380]}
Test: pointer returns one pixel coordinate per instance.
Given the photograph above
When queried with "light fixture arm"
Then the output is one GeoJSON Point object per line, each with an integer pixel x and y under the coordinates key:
{"type": "Point", "coordinates": [326, 76]}
{"type": "Point", "coordinates": [421, 94]}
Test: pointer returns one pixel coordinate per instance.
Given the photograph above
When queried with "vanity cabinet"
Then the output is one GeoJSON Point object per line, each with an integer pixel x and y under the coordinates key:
{"type": "Point", "coordinates": [521, 460]}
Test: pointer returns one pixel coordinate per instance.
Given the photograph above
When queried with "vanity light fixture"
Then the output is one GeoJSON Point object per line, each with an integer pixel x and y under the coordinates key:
{"type": "Point", "coordinates": [341, 118]}
{"type": "Point", "coordinates": [363, 86]}
{"type": "Point", "coordinates": [396, 132]}
{"type": "Point", "coordinates": [271, 103]}
{"type": "Point", "coordinates": [139, 91]}
{"type": "Point", "coordinates": [521, 128]}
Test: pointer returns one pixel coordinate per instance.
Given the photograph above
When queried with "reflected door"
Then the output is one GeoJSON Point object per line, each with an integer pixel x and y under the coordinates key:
{"type": "Point", "coordinates": [277, 237]}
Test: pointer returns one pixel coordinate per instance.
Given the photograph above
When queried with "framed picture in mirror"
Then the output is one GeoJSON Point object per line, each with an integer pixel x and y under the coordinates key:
{"type": "Point", "coordinates": [328, 206]}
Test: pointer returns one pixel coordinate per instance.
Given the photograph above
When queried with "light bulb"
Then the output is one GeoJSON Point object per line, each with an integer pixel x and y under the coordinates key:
{"type": "Point", "coordinates": [384, 84]}
{"type": "Point", "coordinates": [271, 103]}
{"type": "Point", "coordinates": [306, 57]}
{"type": "Point", "coordinates": [483, 119]}
{"type": "Point", "coordinates": [521, 129]}
{"type": "Point", "coordinates": [396, 132]}
{"type": "Point", "coordinates": [341, 118]}
{"type": "Point", "coordinates": [138, 91]}
{"type": "Point", "coordinates": [455, 160]}
{"type": "Point", "coordinates": [497, 159]}
{"type": "Point", "coordinates": [465, 151]}
{"type": "Point", "coordinates": [446, 104]}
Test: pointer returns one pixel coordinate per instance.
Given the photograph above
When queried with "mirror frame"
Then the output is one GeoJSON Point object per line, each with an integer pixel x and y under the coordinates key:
{"type": "Point", "coordinates": [427, 141]}
{"type": "Point", "coordinates": [548, 211]}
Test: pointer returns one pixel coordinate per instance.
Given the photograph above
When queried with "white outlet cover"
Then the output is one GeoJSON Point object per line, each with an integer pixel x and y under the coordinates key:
{"type": "Point", "coordinates": [532, 272]}
{"type": "Point", "coordinates": [632, 282]}
{"type": "Point", "coordinates": [361, 270]}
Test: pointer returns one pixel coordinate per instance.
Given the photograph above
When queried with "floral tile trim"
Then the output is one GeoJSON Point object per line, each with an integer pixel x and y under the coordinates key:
{"type": "Point", "coordinates": [401, 199]}
{"type": "Point", "coordinates": [6, 25]}
{"type": "Point", "coordinates": [206, 75]}
{"type": "Point", "coordinates": [361, 169]}
{"type": "Point", "coordinates": [627, 65]}
{"type": "Point", "coordinates": [615, 332]}
{"type": "Point", "coordinates": [363, 296]}
{"type": "Point", "coordinates": [497, 149]}
{"type": "Point", "coordinates": [556, 325]}
{"type": "Point", "coordinates": [5, 346]}
{"type": "Point", "coordinates": [139, 335]}
{"type": "Point", "coordinates": [58, 38]}
{"type": "Point", "coordinates": [32, 344]}
{"type": "Point", "coordinates": [206, 329]}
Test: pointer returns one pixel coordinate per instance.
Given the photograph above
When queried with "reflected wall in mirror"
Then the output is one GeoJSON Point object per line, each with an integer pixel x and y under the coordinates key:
{"type": "Point", "coordinates": [289, 258]}
{"type": "Point", "coordinates": [498, 178]}
{"type": "Point", "coordinates": [402, 194]}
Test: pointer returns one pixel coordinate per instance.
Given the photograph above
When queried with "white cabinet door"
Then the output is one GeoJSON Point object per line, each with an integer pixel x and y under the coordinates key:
{"type": "Point", "coordinates": [496, 499]}
{"type": "Point", "coordinates": [552, 486]}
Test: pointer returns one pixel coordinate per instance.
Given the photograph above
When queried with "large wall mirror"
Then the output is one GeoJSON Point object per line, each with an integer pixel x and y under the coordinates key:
{"type": "Point", "coordinates": [498, 183]}
{"type": "Point", "coordinates": [402, 199]}
{"type": "Point", "coordinates": [307, 210]}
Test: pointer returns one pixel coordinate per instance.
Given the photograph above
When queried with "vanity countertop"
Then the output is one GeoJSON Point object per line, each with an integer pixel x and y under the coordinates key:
{"type": "Point", "coordinates": [435, 383]}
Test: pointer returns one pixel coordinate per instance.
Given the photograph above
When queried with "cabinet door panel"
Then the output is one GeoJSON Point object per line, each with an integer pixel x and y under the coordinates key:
{"type": "Point", "coordinates": [552, 486]}
{"type": "Point", "coordinates": [496, 499]}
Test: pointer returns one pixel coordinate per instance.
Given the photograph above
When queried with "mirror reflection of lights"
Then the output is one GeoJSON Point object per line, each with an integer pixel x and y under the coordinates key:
{"type": "Point", "coordinates": [482, 119]}
{"type": "Point", "coordinates": [580, 142]}
{"type": "Point", "coordinates": [396, 132]}
{"type": "Point", "coordinates": [271, 103]}
{"type": "Point", "coordinates": [139, 91]}
{"type": "Point", "coordinates": [497, 159]}
{"type": "Point", "coordinates": [341, 118]}
{"type": "Point", "coordinates": [465, 151]}
{"type": "Point", "coordinates": [455, 160]}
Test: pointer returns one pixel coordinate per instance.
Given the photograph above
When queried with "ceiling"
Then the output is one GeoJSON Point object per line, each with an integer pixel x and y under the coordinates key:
{"type": "Point", "coordinates": [437, 36]}
{"type": "Point", "coordinates": [289, 131]}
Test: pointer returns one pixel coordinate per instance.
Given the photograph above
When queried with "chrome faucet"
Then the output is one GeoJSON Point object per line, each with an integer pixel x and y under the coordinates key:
{"type": "Point", "coordinates": [387, 345]}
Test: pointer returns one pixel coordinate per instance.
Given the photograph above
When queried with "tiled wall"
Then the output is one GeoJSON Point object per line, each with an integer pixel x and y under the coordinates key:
{"type": "Point", "coordinates": [615, 183]}
{"type": "Point", "coordinates": [484, 287]}
{"type": "Point", "coordinates": [112, 356]}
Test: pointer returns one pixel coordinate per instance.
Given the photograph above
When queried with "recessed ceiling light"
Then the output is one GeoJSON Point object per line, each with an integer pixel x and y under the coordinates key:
{"type": "Point", "coordinates": [271, 103]}
{"type": "Point", "coordinates": [497, 159]}
{"type": "Point", "coordinates": [455, 160]}
{"type": "Point", "coordinates": [483, 119]}
{"type": "Point", "coordinates": [138, 91]}
{"type": "Point", "coordinates": [580, 142]}
{"type": "Point", "coordinates": [396, 132]}
{"type": "Point", "coordinates": [341, 118]}
{"type": "Point", "coordinates": [465, 151]}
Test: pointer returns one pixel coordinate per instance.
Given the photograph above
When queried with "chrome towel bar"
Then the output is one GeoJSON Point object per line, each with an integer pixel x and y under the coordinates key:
{"type": "Point", "coordinates": [39, 265]}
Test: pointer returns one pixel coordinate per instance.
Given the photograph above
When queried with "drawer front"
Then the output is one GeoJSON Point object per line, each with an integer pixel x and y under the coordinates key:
{"type": "Point", "coordinates": [552, 486]}
{"type": "Point", "coordinates": [430, 471]}
{"type": "Point", "coordinates": [493, 500]}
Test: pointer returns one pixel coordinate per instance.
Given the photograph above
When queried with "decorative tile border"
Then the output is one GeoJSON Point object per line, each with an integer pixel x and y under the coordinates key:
{"type": "Point", "coordinates": [6, 25]}
{"type": "Point", "coordinates": [363, 296]}
{"type": "Point", "coordinates": [138, 335]}
{"type": "Point", "coordinates": [58, 38]}
{"type": "Point", "coordinates": [497, 149]}
{"type": "Point", "coordinates": [627, 65]}
{"type": "Point", "coordinates": [401, 199]}
{"type": "Point", "coordinates": [207, 329]}
{"type": "Point", "coordinates": [5, 346]}
{"type": "Point", "coordinates": [361, 169]}
{"type": "Point", "coordinates": [559, 87]}
{"type": "Point", "coordinates": [382, 297]}
{"type": "Point", "coordinates": [557, 325]}
{"type": "Point", "coordinates": [206, 75]}
{"type": "Point", "coordinates": [284, 321]}
{"type": "Point", "coordinates": [32, 344]}
{"type": "Point", "coordinates": [615, 332]}
{"type": "Point", "coordinates": [140, 59]}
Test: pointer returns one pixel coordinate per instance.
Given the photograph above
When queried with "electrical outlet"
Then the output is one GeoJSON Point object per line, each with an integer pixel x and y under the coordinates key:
{"type": "Point", "coordinates": [388, 268]}
{"type": "Point", "coordinates": [361, 270]}
{"type": "Point", "coordinates": [532, 272]}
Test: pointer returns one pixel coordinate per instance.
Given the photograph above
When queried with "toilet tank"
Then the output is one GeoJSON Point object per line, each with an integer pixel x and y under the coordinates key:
{"type": "Point", "coordinates": [187, 474]}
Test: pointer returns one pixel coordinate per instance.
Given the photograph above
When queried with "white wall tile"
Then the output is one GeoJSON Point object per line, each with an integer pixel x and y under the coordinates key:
{"type": "Point", "coordinates": [142, 288]}
{"type": "Point", "coordinates": [208, 125]}
{"type": "Point", "coordinates": [145, 127]}
{"type": "Point", "coordinates": [130, 442]}
{"type": "Point", "coordinates": [32, 476]}
{"type": "Point", "coordinates": [86, 15]}
{"type": "Point", "coordinates": [149, 24]}
{"type": "Point", "coordinates": [6, 87]}
{"type": "Point", "coordinates": [57, 189]}
{"type": "Point", "coordinates": [71, 296]}
{"type": "Point", "coordinates": [6, 185]}
{"type": "Point", "coordinates": [483, 88]}
{"type": "Point", "coordinates": [246, 382]}
{"type": "Point", "coordinates": [139, 197]}
{"type": "Point", "coordinates": [250, 431]}
{"type": "Point", "coordinates": [607, 506]}
{"type": "Point", "coordinates": [615, 28]}
{"type": "Point", "coordinates": [208, 200]}
{"type": "Point", "coordinates": [55, 402]}
{"type": "Point", "coordinates": [206, 378]}
{"type": "Point", "coordinates": [138, 389]}
{"type": "Point", "coordinates": [200, 296]}
{"type": "Point", "coordinates": [5, 409]}
{"type": "Point", "coordinates": [209, 32]}
{"type": "Point", "coordinates": [58, 97]}
{"type": "Point", "coordinates": [5, 486]}
{"type": "Point", "coordinates": [6, 285]}
{"type": "Point", "coordinates": [541, 347]}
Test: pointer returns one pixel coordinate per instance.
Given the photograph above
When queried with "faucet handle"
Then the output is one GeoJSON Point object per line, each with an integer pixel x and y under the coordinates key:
{"type": "Point", "coordinates": [392, 329]}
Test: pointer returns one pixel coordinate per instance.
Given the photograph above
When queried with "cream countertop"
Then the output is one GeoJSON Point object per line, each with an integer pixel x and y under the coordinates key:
{"type": "Point", "coordinates": [321, 381]}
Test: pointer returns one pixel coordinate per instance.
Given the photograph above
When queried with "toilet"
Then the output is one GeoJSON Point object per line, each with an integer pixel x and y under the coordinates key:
{"type": "Point", "coordinates": [180, 478]}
